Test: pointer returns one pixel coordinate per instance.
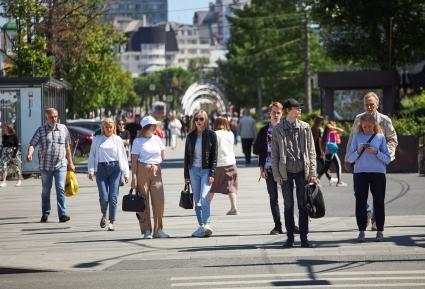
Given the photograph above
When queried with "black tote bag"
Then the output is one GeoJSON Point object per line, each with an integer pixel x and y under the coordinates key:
{"type": "Point", "coordinates": [186, 198]}
{"type": "Point", "coordinates": [134, 202]}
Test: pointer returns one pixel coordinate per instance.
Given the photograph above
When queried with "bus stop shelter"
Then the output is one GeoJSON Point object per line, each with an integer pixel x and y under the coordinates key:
{"type": "Point", "coordinates": [22, 103]}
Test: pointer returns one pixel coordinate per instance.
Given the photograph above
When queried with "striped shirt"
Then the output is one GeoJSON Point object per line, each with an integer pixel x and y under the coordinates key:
{"type": "Point", "coordinates": [52, 143]}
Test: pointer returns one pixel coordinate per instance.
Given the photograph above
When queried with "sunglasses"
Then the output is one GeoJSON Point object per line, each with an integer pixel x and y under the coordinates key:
{"type": "Point", "coordinates": [121, 124]}
{"type": "Point", "coordinates": [199, 119]}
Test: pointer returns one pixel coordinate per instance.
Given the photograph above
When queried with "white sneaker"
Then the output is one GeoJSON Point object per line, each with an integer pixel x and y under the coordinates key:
{"type": "Point", "coordinates": [333, 181]}
{"type": "Point", "coordinates": [18, 184]}
{"type": "Point", "coordinates": [147, 235]}
{"type": "Point", "coordinates": [3, 184]}
{"type": "Point", "coordinates": [161, 234]}
{"type": "Point", "coordinates": [208, 230]}
{"type": "Point", "coordinates": [341, 184]}
{"type": "Point", "coordinates": [200, 232]}
{"type": "Point", "coordinates": [111, 227]}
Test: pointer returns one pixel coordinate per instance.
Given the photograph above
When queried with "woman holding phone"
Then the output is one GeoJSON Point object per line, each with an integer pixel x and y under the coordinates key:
{"type": "Point", "coordinates": [369, 152]}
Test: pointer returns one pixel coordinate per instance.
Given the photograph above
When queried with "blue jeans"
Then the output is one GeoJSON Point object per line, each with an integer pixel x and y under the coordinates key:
{"type": "Point", "coordinates": [46, 183]}
{"type": "Point", "coordinates": [200, 189]}
{"type": "Point", "coordinates": [108, 177]}
{"type": "Point", "coordinates": [288, 199]}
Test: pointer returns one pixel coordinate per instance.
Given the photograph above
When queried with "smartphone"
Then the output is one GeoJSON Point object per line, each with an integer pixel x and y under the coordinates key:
{"type": "Point", "coordinates": [366, 145]}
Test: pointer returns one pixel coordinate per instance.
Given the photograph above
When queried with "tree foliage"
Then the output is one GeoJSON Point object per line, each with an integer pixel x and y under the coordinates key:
{"type": "Point", "coordinates": [379, 33]}
{"type": "Point", "coordinates": [67, 39]}
{"type": "Point", "coordinates": [266, 52]}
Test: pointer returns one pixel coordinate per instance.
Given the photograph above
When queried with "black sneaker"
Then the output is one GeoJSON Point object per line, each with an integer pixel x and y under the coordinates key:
{"type": "Point", "coordinates": [44, 219]}
{"type": "Point", "coordinates": [102, 223]}
{"type": "Point", "coordinates": [64, 219]}
{"type": "Point", "coordinates": [276, 231]}
{"type": "Point", "coordinates": [306, 244]}
{"type": "Point", "coordinates": [288, 244]}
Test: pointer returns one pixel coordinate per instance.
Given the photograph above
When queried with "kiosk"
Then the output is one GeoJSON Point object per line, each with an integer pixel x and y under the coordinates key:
{"type": "Point", "coordinates": [23, 101]}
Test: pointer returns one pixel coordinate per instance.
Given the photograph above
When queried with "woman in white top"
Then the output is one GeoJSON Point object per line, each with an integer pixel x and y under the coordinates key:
{"type": "Point", "coordinates": [108, 161]}
{"type": "Point", "coordinates": [175, 127]}
{"type": "Point", "coordinates": [226, 174]}
{"type": "Point", "coordinates": [147, 152]}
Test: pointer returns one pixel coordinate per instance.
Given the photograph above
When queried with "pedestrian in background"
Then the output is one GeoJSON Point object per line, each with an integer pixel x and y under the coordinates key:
{"type": "Point", "coordinates": [133, 127]}
{"type": "Point", "coordinates": [234, 123]}
{"type": "Point", "coordinates": [107, 159]}
{"type": "Point", "coordinates": [317, 132]}
{"type": "Point", "coordinates": [200, 161]}
{"type": "Point", "coordinates": [146, 156]}
{"type": "Point", "coordinates": [226, 173]}
{"type": "Point", "coordinates": [330, 145]}
{"type": "Point", "coordinates": [175, 127]}
{"type": "Point", "coordinates": [55, 158]}
{"type": "Point", "coordinates": [124, 134]}
{"type": "Point", "coordinates": [248, 131]}
{"type": "Point", "coordinates": [370, 155]}
{"type": "Point", "coordinates": [10, 155]}
{"type": "Point", "coordinates": [371, 105]}
{"type": "Point", "coordinates": [167, 132]}
{"type": "Point", "coordinates": [293, 160]}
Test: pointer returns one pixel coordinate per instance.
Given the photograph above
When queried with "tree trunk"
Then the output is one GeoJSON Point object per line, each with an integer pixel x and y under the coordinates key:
{"type": "Point", "coordinates": [259, 100]}
{"type": "Point", "coordinates": [307, 82]}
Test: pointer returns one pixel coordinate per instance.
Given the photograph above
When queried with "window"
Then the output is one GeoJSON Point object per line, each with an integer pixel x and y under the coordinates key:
{"type": "Point", "coordinates": [192, 51]}
{"type": "Point", "coordinates": [182, 51]}
{"type": "Point", "coordinates": [205, 51]}
{"type": "Point", "coordinates": [192, 41]}
{"type": "Point", "coordinates": [136, 57]}
{"type": "Point", "coordinates": [189, 32]}
{"type": "Point", "coordinates": [181, 60]}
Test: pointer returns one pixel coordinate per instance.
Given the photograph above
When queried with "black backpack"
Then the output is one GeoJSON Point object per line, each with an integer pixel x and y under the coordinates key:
{"type": "Point", "coordinates": [314, 203]}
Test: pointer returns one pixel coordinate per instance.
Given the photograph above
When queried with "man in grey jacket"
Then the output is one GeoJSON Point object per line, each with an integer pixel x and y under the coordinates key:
{"type": "Point", "coordinates": [293, 160]}
{"type": "Point", "coordinates": [248, 131]}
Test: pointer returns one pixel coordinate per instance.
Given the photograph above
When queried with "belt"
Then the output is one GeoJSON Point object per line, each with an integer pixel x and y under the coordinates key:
{"type": "Point", "coordinates": [108, 163]}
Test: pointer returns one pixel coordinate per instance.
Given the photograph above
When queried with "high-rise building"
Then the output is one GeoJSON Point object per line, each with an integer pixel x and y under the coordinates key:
{"type": "Point", "coordinates": [155, 11]}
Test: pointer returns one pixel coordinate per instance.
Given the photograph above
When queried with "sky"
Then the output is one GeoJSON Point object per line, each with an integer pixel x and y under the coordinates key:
{"type": "Point", "coordinates": [189, 7]}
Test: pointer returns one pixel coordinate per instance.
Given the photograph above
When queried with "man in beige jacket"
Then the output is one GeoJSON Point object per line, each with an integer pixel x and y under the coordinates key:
{"type": "Point", "coordinates": [293, 160]}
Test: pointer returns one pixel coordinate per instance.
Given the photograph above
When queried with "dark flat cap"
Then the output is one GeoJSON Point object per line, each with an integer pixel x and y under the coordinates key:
{"type": "Point", "coordinates": [292, 103]}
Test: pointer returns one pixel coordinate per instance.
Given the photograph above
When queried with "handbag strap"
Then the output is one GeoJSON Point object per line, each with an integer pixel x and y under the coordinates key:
{"type": "Point", "coordinates": [368, 141]}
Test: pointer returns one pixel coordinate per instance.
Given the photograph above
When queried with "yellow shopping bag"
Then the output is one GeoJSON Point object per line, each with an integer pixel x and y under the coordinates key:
{"type": "Point", "coordinates": [71, 184]}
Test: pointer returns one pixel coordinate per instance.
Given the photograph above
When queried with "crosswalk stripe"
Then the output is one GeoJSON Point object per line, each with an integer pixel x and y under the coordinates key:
{"type": "Point", "coordinates": [398, 285]}
{"type": "Point", "coordinates": [362, 273]}
{"type": "Point", "coordinates": [241, 282]}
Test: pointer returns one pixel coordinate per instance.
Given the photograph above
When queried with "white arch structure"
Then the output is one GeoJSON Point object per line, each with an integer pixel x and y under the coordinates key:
{"type": "Point", "coordinates": [202, 93]}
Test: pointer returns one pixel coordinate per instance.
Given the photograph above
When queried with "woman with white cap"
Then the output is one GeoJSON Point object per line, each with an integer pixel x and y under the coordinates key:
{"type": "Point", "coordinates": [147, 153]}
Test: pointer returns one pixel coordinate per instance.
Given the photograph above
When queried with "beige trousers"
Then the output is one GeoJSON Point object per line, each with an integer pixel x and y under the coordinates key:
{"type": "Point", "coordinates": [149, 182]}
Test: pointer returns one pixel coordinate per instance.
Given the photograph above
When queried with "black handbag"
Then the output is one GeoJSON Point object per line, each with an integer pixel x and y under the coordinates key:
{"type": "Point", "coordinates": [134, 202]}
{"type": "Point", "coordinates": [186, 198]}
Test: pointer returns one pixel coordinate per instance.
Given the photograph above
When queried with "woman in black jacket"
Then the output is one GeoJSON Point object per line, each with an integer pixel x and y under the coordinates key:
{"type": "Point", "coordinates": [200, 161]}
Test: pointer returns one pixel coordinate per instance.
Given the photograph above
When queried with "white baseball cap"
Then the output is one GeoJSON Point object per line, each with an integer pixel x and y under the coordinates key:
{"type": "Point", "coordinates": [148, 120]}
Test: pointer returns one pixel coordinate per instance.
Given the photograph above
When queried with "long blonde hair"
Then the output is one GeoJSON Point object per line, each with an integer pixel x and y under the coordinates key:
{"type": "Point", "coordinates": [108, 120]}
{"type": "Point", "coordinates": [369, 118]}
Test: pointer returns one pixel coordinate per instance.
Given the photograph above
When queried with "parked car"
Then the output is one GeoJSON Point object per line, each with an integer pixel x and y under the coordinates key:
{"type": "Point", "coordinates": [86, 123]}
{"type": "Point", "coordinates": [81, 140]}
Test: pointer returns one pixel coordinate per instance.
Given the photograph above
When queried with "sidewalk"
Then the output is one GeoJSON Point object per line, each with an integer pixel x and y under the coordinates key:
{"type": "Point", "coordinates": [81, 245]}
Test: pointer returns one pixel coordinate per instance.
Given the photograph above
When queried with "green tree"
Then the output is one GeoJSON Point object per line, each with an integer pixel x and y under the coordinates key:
{"type": "Point", "coordinates": [28, 56]}
{"type": "Point", "coordinates": [380, 33]}
{"type": "Point", "coordinates": [267, 52]}
{"type": "Point", "coordinates": [68, 39]}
